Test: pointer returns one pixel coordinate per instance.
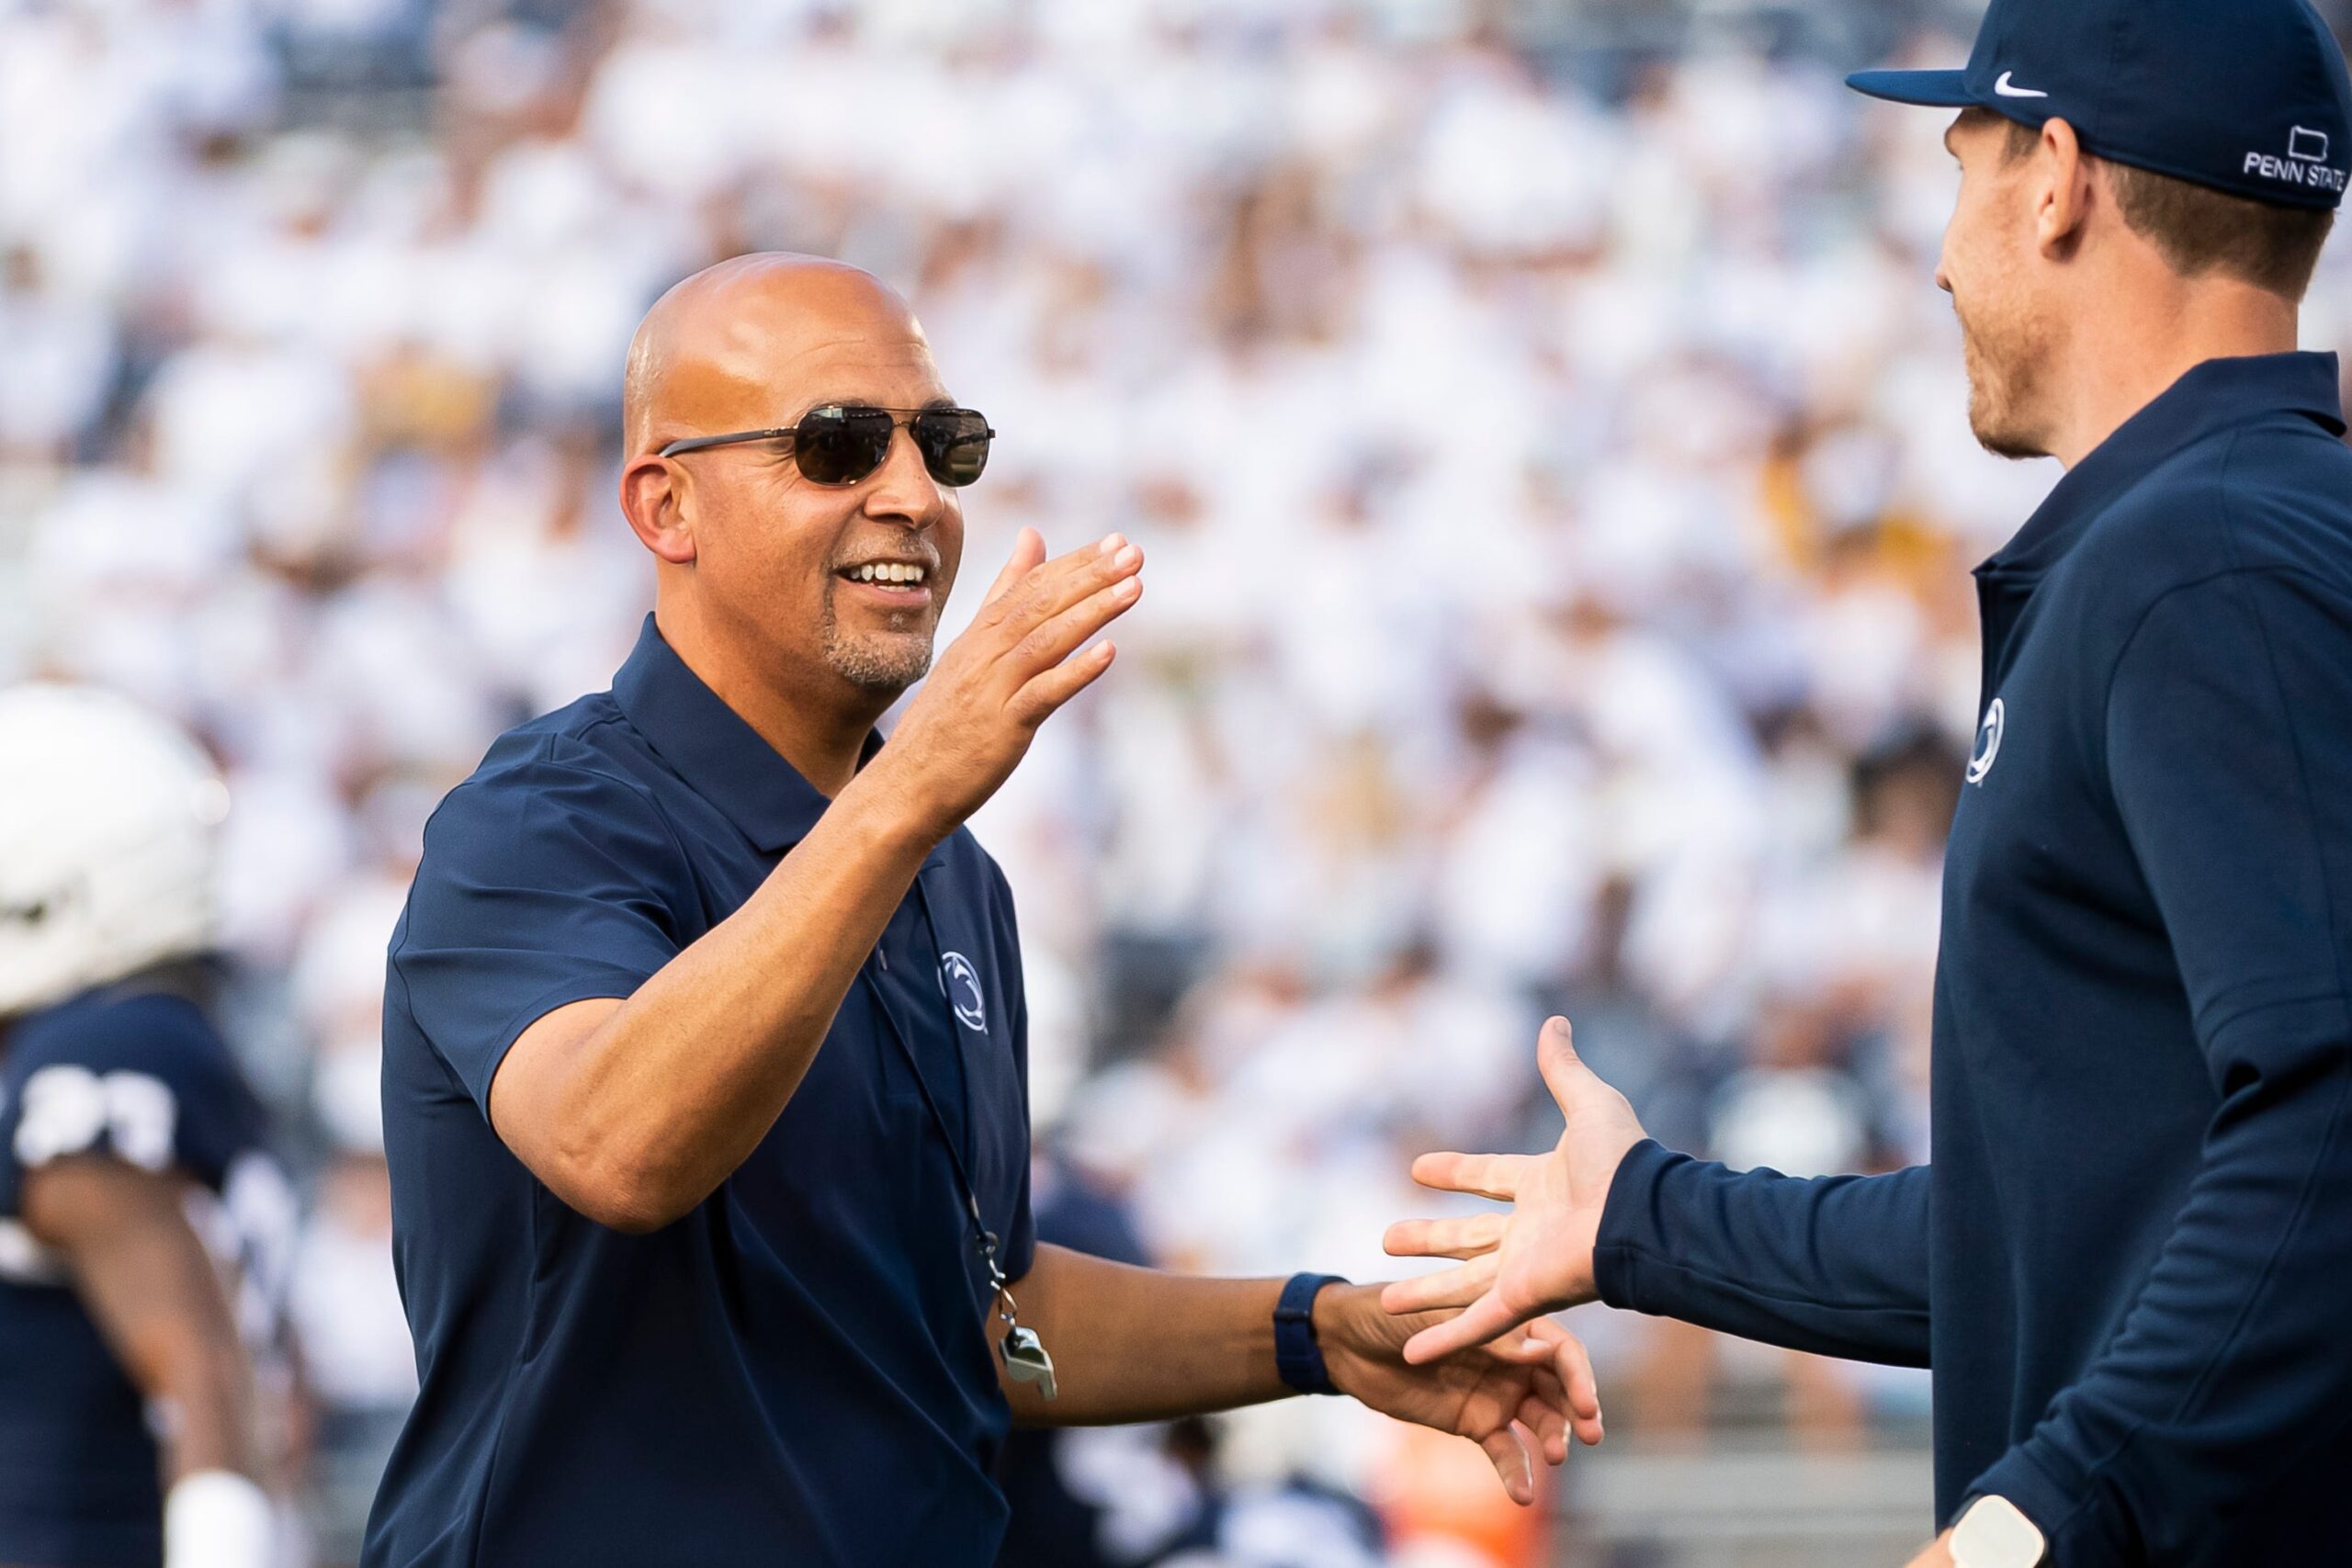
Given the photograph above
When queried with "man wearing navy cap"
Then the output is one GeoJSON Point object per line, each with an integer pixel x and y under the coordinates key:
{"type": "Point", "coordinates": [2129, 1263]}
{"type": "Point", "coordinates": [705, 1044]}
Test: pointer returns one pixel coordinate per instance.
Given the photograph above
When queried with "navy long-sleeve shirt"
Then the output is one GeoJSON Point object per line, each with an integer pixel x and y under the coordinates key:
{"type": "Point", "coordinates": [2130, 1264]}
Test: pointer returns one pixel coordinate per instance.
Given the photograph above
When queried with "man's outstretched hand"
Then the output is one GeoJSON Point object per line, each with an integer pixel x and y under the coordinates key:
{"type": "Point", "coordinates": [1537, 1258]}
{"type": "Point", "coordinates": [1521, 1398]}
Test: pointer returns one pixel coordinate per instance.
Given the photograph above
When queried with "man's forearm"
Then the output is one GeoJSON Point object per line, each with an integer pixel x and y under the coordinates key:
{"type": "Point", "coordinates": [150, 1288]}
{"type": "Point", "coordinates": [1837, 1266]}
{"type": "Point", "coordinates": [1137, 1345]}
{"type": "Point", "coordinates": [1133, 1345]}
{"type": "Point", "coordinates": [646, 1114]}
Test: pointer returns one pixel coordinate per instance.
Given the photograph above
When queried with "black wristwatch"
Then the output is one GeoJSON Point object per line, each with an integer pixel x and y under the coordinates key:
{"type": "Point", "coordinates": [1296, 1355]}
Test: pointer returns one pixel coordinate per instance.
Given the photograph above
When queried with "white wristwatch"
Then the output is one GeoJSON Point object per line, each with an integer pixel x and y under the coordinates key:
{"type": "Point", "coordinates": [1993, 1533]}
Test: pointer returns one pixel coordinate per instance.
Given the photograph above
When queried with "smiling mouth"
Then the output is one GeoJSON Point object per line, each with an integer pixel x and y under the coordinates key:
{"type": "Point", "coordinates": [889, 571]}
{"type": "Point", "coordinates": [907, 583]}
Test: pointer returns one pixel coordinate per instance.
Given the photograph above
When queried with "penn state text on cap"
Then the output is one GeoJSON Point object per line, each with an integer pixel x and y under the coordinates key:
{"type": "Point", "coordinates": [2246, 96]}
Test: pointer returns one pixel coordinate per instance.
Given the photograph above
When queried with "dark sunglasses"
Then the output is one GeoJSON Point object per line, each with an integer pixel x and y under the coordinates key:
{"type": "Point", "coordinates": [841, 444]}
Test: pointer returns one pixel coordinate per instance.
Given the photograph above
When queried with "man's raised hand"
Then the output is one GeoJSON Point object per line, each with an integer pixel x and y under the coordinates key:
{"type": "Point", "coordinates": [973, 720]}
{"type": "Point", "coordinates": [1537, 1258]}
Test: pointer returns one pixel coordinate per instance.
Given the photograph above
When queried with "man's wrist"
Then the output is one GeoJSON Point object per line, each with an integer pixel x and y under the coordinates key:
{"type": "Point", "coordinates": [887, 812]}
{"type": "Point", "coordinates": [1301, 1316]}
{"type": "Point", "coordinates": [1611, 1275]}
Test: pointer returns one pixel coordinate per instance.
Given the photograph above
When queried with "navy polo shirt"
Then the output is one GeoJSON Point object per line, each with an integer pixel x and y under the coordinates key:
{"type": "Point", "coordinates": [798, 1370]}
{"type": "Point", "coordinates": [2131, 1261]}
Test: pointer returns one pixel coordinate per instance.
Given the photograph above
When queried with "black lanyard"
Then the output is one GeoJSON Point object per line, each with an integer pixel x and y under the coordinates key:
{"type": "Point", "coordinates": [1025, 1354]}
{"type": "Point", "coordinates": [984, 1239]}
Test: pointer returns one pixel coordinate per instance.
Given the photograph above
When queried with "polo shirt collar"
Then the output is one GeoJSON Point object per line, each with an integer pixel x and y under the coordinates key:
{"type": "Point", "coordinates": [2213, 396]}
{"type": "Point", "coordinates": [708, 744]}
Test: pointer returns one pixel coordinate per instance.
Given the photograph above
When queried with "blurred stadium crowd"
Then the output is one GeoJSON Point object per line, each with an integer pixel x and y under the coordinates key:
{"type": "Point", "coordinates": [1558, 492]}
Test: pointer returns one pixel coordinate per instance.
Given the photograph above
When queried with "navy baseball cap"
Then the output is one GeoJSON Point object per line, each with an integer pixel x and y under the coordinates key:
{"type": "Point", "coordinates": [2246, 96]}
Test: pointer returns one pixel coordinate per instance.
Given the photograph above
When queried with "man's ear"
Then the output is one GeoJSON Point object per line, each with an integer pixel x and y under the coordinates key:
{"type": "Point", "coordinates": [2062, 188]}
{"type": "Point", "coordinates": [653, 499]}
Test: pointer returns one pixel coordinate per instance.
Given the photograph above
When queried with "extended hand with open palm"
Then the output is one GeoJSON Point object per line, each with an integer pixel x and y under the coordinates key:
{"type": "Point", "coordinates": [1537, 1258]}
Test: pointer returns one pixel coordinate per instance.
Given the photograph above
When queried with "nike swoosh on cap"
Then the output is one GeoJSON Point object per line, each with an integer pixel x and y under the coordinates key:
{"type": "Point", "coordinates": [2009, 89]}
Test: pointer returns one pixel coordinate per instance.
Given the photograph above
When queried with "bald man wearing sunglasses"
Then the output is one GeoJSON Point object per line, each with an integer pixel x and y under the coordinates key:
{"type": "Point", "coordinates": [705, 1042]}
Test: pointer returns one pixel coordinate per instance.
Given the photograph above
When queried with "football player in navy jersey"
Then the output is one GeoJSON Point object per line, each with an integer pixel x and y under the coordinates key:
{"type": "Point", "coordinates": [126, 1142]}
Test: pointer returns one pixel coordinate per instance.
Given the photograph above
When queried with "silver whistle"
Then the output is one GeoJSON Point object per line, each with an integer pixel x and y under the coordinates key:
{"type": "Point", "coordinates": [1026, 1359]}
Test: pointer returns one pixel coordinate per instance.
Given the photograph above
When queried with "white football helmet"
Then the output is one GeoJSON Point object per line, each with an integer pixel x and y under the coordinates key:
{"type": "Point", "coordinates": [107, 824]}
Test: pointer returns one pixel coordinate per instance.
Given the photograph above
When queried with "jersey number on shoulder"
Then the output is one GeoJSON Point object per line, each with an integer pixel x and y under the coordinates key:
{"type": "Point", "coordinates": [67, 1110]}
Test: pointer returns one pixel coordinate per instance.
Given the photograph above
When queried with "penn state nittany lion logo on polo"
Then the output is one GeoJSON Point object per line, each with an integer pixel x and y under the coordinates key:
{"type": "Point", "coordinates": [962, 984]}
{"type": "Point", "coordinates": [1988, 742]}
